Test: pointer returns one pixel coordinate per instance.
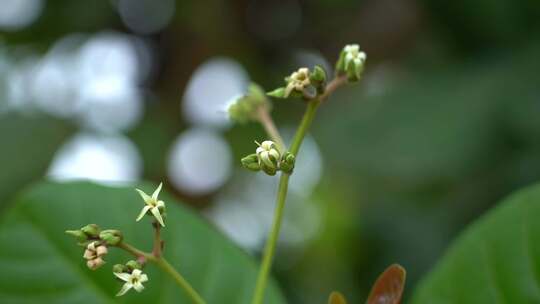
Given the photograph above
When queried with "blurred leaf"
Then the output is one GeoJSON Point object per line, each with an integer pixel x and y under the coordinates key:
{"type": "Point", "coordinates": [496, 260]}
{"type": "Point", "coordinates": [28, 146]}
{"type": "Point", "coordinates": [46, 266]}
{"type": "Point", "coordinates": [389, 286]}
{"type": "Point", "coordinates": [336, 298]}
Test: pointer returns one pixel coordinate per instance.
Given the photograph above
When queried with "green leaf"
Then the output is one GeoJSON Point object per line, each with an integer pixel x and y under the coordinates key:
{"type": "Point", "coordinates": [496, 260]}
{"type": "Point", "coordinates": [28, 146]}
{"type": "Point", "coordinates": [41, 264]}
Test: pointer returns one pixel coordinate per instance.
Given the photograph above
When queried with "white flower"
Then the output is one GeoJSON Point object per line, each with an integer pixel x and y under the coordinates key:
{"type": "Point", "coordinates": [298, 81]}
{"type": "Point", "coordinates": [132, 280]}
{"type": "Point", "coordinates": [352, 53]}
{"type": "Point", "coordinates": [153, 204]}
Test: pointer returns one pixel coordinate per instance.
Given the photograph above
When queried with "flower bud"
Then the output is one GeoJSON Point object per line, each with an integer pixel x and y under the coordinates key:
{"type": "Point", "coordinates": [251, 162]}
{"type": "Point", "coordinates": [111, 237]}
{"type": "Point", "coordinates": [287, 162]}
{"type": "Point", "coordinates": [244, 108]}
{"type": "Point", "coordinates": [269, 156]}
{"type": "Point", "coordinates": [94, 253]}
{"type": "Point", "coordinates": [119, 268]}
{"type": "Point", "coordinates": [91, 230]}
{"type": "Point", "coordinates": [78, 234]}
{"type": "Point", "coordinates": [131, 265]}
{"type": "Point", "coordinates": [95, 263]}
{"type": "Point", "coordinates": [351, 62]}
{"type": "Point", "coordinates": [318, 79]}
{"type": "Point", "coordinates": [277, 93]}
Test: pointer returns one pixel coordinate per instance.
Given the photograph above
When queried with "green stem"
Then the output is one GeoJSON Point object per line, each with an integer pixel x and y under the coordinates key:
{"type": "Point", "coordinates": [168, 268]}
{"type": "Point", "coordinates": [180, 280]}
{"type": "Point", "coordinates": [270, 246]}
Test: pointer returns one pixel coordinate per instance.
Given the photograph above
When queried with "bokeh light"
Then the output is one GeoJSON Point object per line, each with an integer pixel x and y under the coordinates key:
{"type": "Point", "coordinates": [209, 90]}
{"type": "Point", "coordinates": [17, 14]}
{"type": "Point", "coordinates": [97, 157]}
{"type": "Point", "coordinates": [200, 161]}
{"type": "Point", "coordinates": [146, 16]}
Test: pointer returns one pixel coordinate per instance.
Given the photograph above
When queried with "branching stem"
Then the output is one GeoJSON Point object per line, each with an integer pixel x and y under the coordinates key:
{"type": "Point", "coordinates": [162, 263]}
{"type": "Point", "coordinates": [270, 246]}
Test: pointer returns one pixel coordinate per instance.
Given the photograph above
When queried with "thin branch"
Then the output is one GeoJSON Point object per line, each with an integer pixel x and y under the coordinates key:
{"type": "Point", "coordinates": [332, 86]}
{"type": "Point", "coordinates": [263, 116]}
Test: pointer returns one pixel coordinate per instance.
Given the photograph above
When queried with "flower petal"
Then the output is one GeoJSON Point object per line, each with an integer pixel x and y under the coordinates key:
{"type": "Point", "coordinates": [144, 196]}
{"type": "Point", "coordinates": [138, 286]}
{"type": "Point", "coordinates": [122, 276]}
{"type": "Point", "coordinates": [157, 215]}
{"type": "Point", "coordinates": [143, 278]}
{"type": "Point", "coordinates": [125, 288]}
{"type": "Point", "coordinates": [143, 212]}
{"type": "Point", "coordinates": [156, 193]}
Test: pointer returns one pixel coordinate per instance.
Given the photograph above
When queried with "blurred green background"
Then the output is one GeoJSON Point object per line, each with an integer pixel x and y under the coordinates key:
{"type": "Point", "coordinates": [444, 124]}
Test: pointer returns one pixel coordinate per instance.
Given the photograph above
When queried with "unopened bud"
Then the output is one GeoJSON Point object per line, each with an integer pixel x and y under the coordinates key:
{"type": "Point", "coordinates": [287, 162]}
{"type": "Point", "coordinates": [91, 230]}
{"type": "Point", "coordinates": [119, 268]}
{"type": "Point", "coordinates": [95, 263]}
{"type": "Point", "coordinates": [111, 237]}
{"type": "Point", "coordinates": [78, 234]}
{"type": "Point", "coordinates": [318, 79]}
{"type": "Point", "coordinates": [251, 162]}
{"type": "Point", "coordinates": [351, 62]}
{"type": "Point", "coordinates": [269, 156]}
{"type": "Point", "coordinates": [131, 265]}
{"type": "Point", "coordinates": [244, 108]}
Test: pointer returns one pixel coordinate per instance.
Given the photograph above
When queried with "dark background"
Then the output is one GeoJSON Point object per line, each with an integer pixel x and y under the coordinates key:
{"type": "Point", "coordinates": [445, 123]}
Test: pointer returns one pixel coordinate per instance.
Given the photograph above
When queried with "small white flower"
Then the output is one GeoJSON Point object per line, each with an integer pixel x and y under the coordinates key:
{"type": "Point", "coordinates": [298, 81]}
{"type": "Point", "coordinates": [352, 53]}
{"type": "Point", "coordinates": [132, 280]}
{"type": "Point", "coordinates": [153, 204]}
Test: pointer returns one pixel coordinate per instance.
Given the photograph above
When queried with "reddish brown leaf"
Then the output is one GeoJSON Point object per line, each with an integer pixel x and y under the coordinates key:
{"type": "Point", "coordinates": [389, 286]}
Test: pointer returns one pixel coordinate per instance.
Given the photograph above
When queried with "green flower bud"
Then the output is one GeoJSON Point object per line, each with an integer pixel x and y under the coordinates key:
{"type": "Point", "coordinates": [277, 93]}
{"type": "Point", "coordinates": [91, 230]}
{"type": "Point", "coordinates": [287, 162]}
{"type": "Point", "coordinates": [251, 162]}
{"type": "Point", "coordinates": [243, 109]}
{"type": "Point", "coordinates": [111, 237]}
{"type": "Point", "coordinates": [119, 268]}
{"type": "Point", "coordinates": [269, 157]}
{"type": "Point", "coordinates": [318, 79]}
{"type": "Point", "coordinates": [132, 265]}
{"type": "Point", "coordinates": [79, 235]}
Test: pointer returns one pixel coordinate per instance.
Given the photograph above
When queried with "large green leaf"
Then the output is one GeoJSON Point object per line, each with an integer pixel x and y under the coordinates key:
{"type": "Point", "coordinates": [28, 146]}
{"type": "Point", "coordinates": [41, 264]}
{"type": "Point", "coordinates": [496, 260]}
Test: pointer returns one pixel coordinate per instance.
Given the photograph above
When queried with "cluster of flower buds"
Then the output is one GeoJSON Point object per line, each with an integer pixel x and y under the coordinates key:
{"type": "Point", "coordinates": [268, 159]}
{"type": "Point", "coordinates": [351, 62]}
{"type": "Point", "coordinates": [302, 83]}
{"type": "Point", "coordinates": [153, 206]}
{"type": "Point", "coordinates": [94, 254]}
{"type": "Point", "coordinates": [131, 275]}
{"type": "Point", "coordinates": [244, 108]}
{"type": "Point", "coordinates": [96, 241]}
